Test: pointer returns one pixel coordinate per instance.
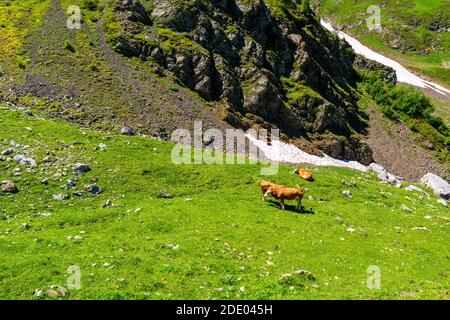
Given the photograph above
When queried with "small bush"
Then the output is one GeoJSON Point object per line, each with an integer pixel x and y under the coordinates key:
{"type": "Point", "coordinates": [68, 46]}
{"type": "Point", "coordinates": [93, 66]}
{"type": "Point", "coordinates": [414, 128]}
{"type": "Point", "coordinates": [447, 142]}
{"type": "Point", "coordinates": [21, 63]}
{"type": "Point", "coordinates": [398, 102]}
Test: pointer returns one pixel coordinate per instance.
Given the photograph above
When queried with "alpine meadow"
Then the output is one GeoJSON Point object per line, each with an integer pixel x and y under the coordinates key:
{"type": "Point", "coordinates": [229, 150]}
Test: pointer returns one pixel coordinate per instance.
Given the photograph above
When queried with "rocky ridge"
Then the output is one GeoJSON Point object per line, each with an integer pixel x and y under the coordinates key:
{"type": "Point", "coordinates": [266, 68]}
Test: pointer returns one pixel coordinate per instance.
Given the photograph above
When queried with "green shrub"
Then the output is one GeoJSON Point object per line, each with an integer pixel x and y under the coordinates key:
{"type": "Point", "coordinates": [93, 66]}
{"type": "Point", "coordinates": [91, 5]}
{"type": "Point", "coordinates": [399, 102]}
{"type": "Point", "coordinates": [21, 62]}
{"type": "Point", "coordinates": [68, 46]}
{"type": "Point", "coordinates": [305, 7]}
{"type": "Point", "coordinates": [414, 128]}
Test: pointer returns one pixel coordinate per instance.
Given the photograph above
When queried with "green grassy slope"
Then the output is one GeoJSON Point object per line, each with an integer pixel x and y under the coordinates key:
{"type": "Point", "coordinates": [409, 24]}
{"type": "Point", "coordinates": [224, 243]}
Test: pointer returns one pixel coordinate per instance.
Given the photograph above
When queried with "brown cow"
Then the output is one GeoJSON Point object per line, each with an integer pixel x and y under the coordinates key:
{"type": "Point", "coordinates": [305, 175]}
{"type": "Point", "coordinates": [282, 193]}
{"type": "Point", "coordinates": [266, 185]}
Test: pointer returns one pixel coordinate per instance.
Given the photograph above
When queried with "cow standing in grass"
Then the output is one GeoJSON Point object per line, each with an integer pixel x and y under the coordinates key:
{"type": "Point", "coordinates": [282, 193]}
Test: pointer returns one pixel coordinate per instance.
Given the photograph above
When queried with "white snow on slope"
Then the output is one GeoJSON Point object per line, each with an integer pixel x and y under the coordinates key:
{"type": "Point", "coordinates": [287, 153]}
{"type": "Point", "coordinates": [403, 75]}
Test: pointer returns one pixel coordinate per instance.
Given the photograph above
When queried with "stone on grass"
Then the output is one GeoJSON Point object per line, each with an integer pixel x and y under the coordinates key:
{"type": "Point", "coordinates": [347, 193]}
{"type": "Point", "coordinates": [61, 197]}
{"type": "Point", "coordinates": [165, 195]}
{"type": "Point", "coordinates": [127, 131]}
{"type": "Point", "coordinates": [94, 189]}
{"type": "Point", "coordinates": [38, 293]}
{"type": "Point", "coordinates": [439, 186]}
{"type": "Point", "coordinates": [383, 175]}
{"type": "Point", "coordinates": [351, 230]}
{"type": "Point", "coordinates": [406, 208]}
{"type": "Point", "coordinates": [21, 159]}
{"type": "Point", "coordinates": [414, 188]}
{"type": "Point", "coordinates": [60, 290]}
{"type": "Point", "coordinates": [52, 294]}
{"type": "Point", "coordinates": [8, 187]}
{"type": "Point", "coordinates": [71, 182]}
{"type": "Point", "coordinates": [296, 278]}
{"type": "Point", "coordinates": [107, 204]}
{"type": "Point", "coordinates": [7, 152]}
{"type": "Point", "coordinates": [81, 168]}
{"type": "Point", "coordinates": [420, 228]}
{"type": "Point", "coordinates": [443, 202]}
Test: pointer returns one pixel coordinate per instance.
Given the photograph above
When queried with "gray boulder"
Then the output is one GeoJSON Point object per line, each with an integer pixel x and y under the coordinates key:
{"type": "Point", "coordinates": [383, 175]}
{"type": "Point", "coordinates": [439, 186]}
{"type": "Point", "coordinates": [127, 131]}
{"type": "Point", "coordinates": [81, 168]}
{"type": "Point", "coordinates": [61, 197]}
{"type": "Point", "coordinates": [8, 152]}
{"type": "Point", "coordinates": [94, 189]}
{"type": "Point", "coordinates": [8, 187]}
{"type": "Point", "coordinates": [21, 159]}
{"type": "Point", "coordinates": [414, 188]}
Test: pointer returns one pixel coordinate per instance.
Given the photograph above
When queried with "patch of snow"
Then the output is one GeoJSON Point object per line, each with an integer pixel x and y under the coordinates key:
{"type": "Point", "coordinates": [403, 75]}
{"type": "Point", "coordinates": [287, 153]}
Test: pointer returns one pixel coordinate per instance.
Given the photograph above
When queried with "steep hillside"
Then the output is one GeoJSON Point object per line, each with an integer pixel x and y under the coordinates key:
{"type": "Point", "coordinates": [414, 32]}
{"type": "Point", "coordinates": [201, 231]}
{"type": "Point", "coordinates": [75, 75]}
{"type": "Point", "coordinates": [158, 65]}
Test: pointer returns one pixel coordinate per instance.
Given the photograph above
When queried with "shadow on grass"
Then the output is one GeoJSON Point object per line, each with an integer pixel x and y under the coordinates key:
{"type": "Point", "coordinates": [292, 208]}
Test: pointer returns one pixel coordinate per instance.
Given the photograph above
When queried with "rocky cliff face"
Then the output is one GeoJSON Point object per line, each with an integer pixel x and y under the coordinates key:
{"type": "Point", "coordinates": [267, 65]}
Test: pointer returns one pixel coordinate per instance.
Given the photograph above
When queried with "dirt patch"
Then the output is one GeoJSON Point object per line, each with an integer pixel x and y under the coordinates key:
{"type": "Point", "coordinates": [395, 148]}
{"type": "Point", "coordinates": [97, 88]}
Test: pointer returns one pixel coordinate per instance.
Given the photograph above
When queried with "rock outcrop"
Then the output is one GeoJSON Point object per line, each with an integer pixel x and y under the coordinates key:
{"type": "Point", "coordinates": [439, 186]}
{"type": "Point", "coordinates": [387, 74]}
{"type": "Point", "coordinates": [270, 66]}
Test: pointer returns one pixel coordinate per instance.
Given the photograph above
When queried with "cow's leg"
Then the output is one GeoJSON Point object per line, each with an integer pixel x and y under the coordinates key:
{"type": "Point", "coordinates": [299, 203]}
{"type": "Point", "coordinates": [282, 204]}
